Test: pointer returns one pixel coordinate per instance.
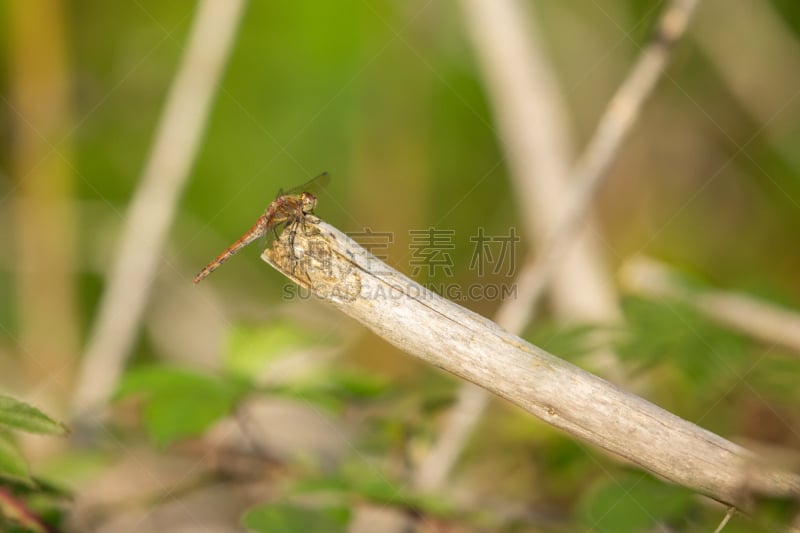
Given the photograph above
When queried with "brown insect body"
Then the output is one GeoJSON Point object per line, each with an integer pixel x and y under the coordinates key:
{"type": "Point", "coordinates": [287, 207]}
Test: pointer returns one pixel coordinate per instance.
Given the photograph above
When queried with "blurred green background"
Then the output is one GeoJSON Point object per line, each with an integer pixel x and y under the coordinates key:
{"type": "Point", "coordinates": [387, 96]}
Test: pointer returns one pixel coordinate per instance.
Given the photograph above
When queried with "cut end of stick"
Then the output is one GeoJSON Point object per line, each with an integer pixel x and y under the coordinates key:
{"type": "Point", "coordinates": [307, 255]}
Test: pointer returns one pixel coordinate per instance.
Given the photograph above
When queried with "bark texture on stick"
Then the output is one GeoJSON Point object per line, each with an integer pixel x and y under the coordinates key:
{"type": "Point", "coordinates": [529, 111]}
{"type": "Point", "coordinates": [335, 268]}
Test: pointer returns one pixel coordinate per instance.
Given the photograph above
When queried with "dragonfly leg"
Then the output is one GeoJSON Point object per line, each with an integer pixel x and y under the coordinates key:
{"type": "Point", "coordinates": [297, 264]}
{"type": "Point", "coordinates": [294, 226]}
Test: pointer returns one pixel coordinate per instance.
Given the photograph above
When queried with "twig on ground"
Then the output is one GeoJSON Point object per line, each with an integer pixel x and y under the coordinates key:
{"type": "Point", "coordinates": [335, 268]}
{"type": "Point", "coordinates": [728, 515]}
{"type": "Point", "coordinates": [155, 201]}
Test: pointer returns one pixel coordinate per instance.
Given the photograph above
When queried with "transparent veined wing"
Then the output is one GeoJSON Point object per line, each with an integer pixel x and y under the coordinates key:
{"type": "Point", "coordinates": [314, 185]}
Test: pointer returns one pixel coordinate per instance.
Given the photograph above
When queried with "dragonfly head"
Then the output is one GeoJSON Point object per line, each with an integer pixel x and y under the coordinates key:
{"type": "Point", "coordinates": [308, 202]}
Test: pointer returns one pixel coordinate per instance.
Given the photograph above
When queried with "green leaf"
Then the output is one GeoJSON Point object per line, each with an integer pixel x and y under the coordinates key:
{"type": "Point", "coordinates": [356, 385]}
{"type": "Point", "coordinates": [331, 390]}
{"type": "Point", "coordinates": [285, 518]}
{"type": "Point", "coordinates": [12, 464]}
{"type": "Point", "coordinates": [180, 403]}
{"type": "Point", "coordinates": [311, 393]}
{"type": "Point", "coordinates": [74, 468]}
{"type": "Point", "coordinates": [674, 334]}
{"type": "Point", "coordinates": [23, 417]}
{"type": "Point", "coordinates": [634, 503]}
{"type": "Point", "coordinates": [251, 349]}
{"type": "Point", "coordinates": [567, 341]}
{"type": "Point", "coordinates": [364, 483]}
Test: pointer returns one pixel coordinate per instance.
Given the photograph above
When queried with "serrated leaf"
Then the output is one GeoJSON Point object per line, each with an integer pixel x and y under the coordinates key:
{"type": "Point", "coordinates": [568, 341]}
{"type": "Point", "coordinates": [157, 378]}
{"type": "Point", "coordinates": [674, 333]}
{"type": "Point", "coordinates": [172, 416]}
{"type": "Point", "coordinates": [179, 403]}
{"type": "Point", "coordinates": [635, 503]}
{"type": "Point", "coordinates": [73, 468]}
{"type": "Point", "coordinates": [285, 518]}
{"type": "Point", "coordinates": [250, 350]}
{"type": "Point", "coordinates": [331, 390]}
{"type": "Point", "coordinates": [366, 484]}
{"type": "Point", "coordinates": [329, 484]}
{"type": "Point", "coordinates": [321, 397]}
{"type": "Point", "coordinates": [18, 415]}
{"type": "Point", "coordinates": [357, 385]}
{"type": "Point", "coordinates": [12, 464]}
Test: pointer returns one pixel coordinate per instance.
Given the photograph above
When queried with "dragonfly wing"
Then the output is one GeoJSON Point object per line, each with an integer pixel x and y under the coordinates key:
{"type": "Point", "coordinates": [314, 185]}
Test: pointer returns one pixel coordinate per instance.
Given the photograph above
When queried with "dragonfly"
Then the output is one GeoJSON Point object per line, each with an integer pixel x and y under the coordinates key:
{"type": "Point", "coordinates": [288, 207]}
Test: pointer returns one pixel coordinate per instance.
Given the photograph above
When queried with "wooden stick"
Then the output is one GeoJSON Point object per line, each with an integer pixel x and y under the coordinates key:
{"type": "Point", "coordinates": [335, 268]}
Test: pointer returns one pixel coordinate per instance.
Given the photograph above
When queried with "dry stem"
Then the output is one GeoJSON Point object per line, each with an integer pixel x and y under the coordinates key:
{"type": "Point", "coordinates": [335, 268]}
{"type": "Point", "coordinates": [518, 78]}
{"type": "Point", "coordinates": [156, 199]}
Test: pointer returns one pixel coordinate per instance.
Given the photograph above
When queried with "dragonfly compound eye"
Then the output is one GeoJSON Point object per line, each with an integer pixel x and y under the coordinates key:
{"type": "Point", "coordinates": [309, 202]}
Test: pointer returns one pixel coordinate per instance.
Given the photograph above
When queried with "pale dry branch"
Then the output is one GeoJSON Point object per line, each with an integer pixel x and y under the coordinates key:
{"type": "Point", "coordinates": [155, 201]}
{"type": "Point", "coordinates": [533, 127]}
{"type": "Point", "coordinates": [761, 71]}
{"type": "Point", "coordinates": [531, 117]}
{"type": "Point", "coordinates": [613, 128]}
{"type": "Point", "coordinates": [335, 268]}
{"type": "Point", "coordinates": [728, 515]}
{"type": "Point", "coordinates": [453, 437]}
{"type": "Point", "coordinates": [533, 120]}
{"type": "Point", "coordinates": [37, 109]}
{"type": "Point", "coordinates": [761, 320]}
